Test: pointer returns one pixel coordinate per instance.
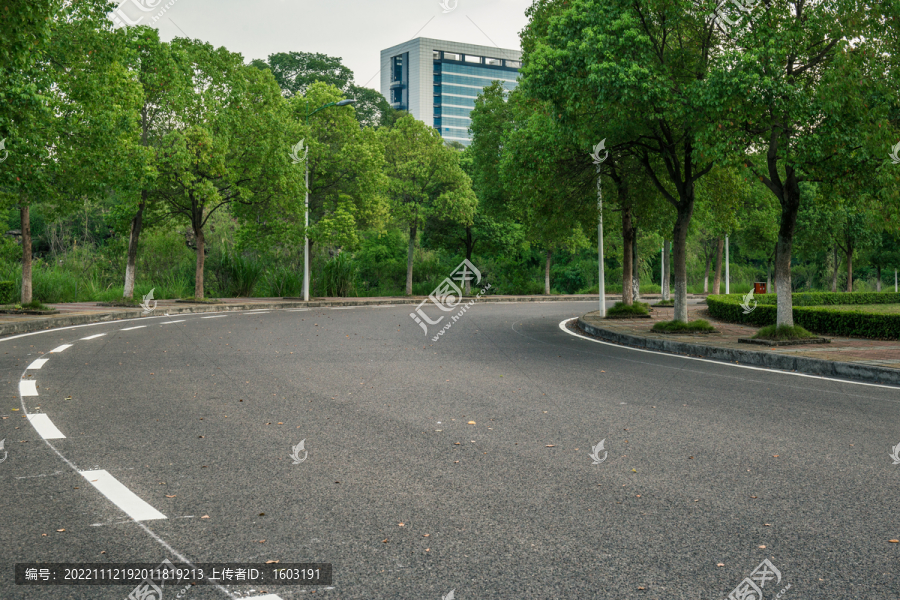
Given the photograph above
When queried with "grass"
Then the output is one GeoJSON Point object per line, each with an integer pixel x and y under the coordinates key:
{"type": "Point", "coordinates": [201, 300]}
{"type": "Point", "coordinates": [784, 332]}
{"type": "Point", "coordinates": [33, 305]}
{"type": "Point", "coordinates": [698, 326]}
{"type": "Point", "coordinates": [621, 309]}
{"type": "Point", "coordinates": [669, 302]}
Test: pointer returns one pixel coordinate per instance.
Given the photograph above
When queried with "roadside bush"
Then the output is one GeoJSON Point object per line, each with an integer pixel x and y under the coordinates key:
{"type": "Point", "coordinates": [819, 319]}
{"type": "Point", "coordinates": [7, 292]}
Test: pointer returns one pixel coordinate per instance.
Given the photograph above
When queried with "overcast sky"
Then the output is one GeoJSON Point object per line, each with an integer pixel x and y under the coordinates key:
{"type": "Point", "coordinates": [354, 30]}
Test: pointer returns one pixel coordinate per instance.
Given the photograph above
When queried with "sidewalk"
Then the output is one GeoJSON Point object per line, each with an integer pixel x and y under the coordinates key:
{"type": "Point", "coordinates": [875, 361]}
{"type": "Point", "coordinates": [81, 313]}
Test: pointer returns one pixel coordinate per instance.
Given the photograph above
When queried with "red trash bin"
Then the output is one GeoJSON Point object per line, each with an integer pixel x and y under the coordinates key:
{"type": "Point", "coordinates": [759, 287]}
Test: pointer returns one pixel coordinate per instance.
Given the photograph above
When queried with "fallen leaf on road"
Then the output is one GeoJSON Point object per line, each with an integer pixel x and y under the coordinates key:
{"type": "Point", "coordinates": [774, 456]}
{"type": "Point", "coordinates": [60, 530]}
{"type": "Point", "coordinates": [720, 565]}
{"type": "Point", "coordinates": [270, 562]}
{"type": "Point", "coordinates": [205, 517]}
{"type": "Point", "coordinates": [262, 541]}
{"type": "Point", "coordinates": [456, 444]}
{"type": "Point", "coordinates": [471, 422]}
{"type": "Point", "coordinates": [767, 524]}
{"type": "Point", "coordinates": [763, 547]}
{"type": "Point", "coordinates": [550, 446]}
{"type": "Point", "coordinates": [167, 496]}
{"type": "Point", "coordinates": [426, 535]}
{"type": "Point", "coordinates": [894, 541]}
{"type": "Point", "coordinates": [384, 541]}
{"type": "Point", "coordinates": [400, 525]}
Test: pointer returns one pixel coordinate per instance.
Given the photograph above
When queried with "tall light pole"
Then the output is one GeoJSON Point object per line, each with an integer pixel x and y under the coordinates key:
{"type": "Point", "coordinates": [306, 201]}
{"type": "Point", "coordinates": [601, 288]}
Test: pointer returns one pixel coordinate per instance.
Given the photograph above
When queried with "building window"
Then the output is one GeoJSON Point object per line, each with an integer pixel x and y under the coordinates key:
{"type": "Point", "coordinates": [436, 54]}
{"type": "Point", "coordinates": [514, 64]}
{"type": "Point", "coordinates": [473, 59]}
{"type": "Point", "coordinates": [493, 61]}
{"type": "Point", "coordinates": [397, 68]}
{"type": "Point", "coordinates": [452, 56]}
{"type": "Point", "coordinates": [397, 95]}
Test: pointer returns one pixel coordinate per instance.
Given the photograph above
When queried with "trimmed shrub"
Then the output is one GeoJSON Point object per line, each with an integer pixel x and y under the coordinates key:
{"type": "Point", "coordinates": [621, 309]}
{"type": "Point", "coordinates": [818, 319]}
{"type": "Point", "coordinates": [826, 298]}
{"type": "Point", "coordinates": [7, 292]}
{"type": "Point", "coordinates": [700, 325]}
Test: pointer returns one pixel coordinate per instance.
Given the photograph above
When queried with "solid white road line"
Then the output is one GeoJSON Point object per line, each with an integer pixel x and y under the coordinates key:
{"type": "Point", "coordinates": [91, 337]}
{"type": "Point", "coordinates": [28, 387]}
{"type": "Point", "coordinates": [60, 348]}
{"type": "Point", "coordinates": [562, 326]}
{"type": "Point", "coordinates": [344, 307]}
{"type": "Point", "coordinates": [267, 597]}
{"type": "Point", "coordinates": [121, 496]}
{"type": "Point", "coordinates": [170, 322]}
{"type": "Point", "coordinates": [257, 310]}
{"type": "Point", "coordinates": [37, 364]}
{"type": "Point", "coordinates": [130, 328]}
{"type": "Point", "coordinates": [215, 317]}
{"type": "Point", "coordinates": [295, 309]}
{"type": "Point", "coordinates": [45, 427]}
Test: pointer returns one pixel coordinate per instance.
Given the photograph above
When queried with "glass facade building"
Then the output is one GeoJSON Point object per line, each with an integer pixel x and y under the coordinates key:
{"type": "Point", "coordinates": [437, 81]}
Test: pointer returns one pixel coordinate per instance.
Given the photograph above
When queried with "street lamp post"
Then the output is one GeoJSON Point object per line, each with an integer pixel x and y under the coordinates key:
{"type": "Point", "coordinates": [306, 201]}
{"type": "Point", "coordinates": [727, 272]}
{"type": "Point", "coordinates": [601, 288]}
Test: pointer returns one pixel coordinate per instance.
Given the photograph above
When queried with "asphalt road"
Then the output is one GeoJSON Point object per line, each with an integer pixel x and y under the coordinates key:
{"type": "Point", "coordinates": [708, 464]}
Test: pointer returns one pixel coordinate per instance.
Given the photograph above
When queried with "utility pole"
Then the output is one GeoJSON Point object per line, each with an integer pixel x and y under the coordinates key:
{"type": "Point", "coordinates": [601, 288]}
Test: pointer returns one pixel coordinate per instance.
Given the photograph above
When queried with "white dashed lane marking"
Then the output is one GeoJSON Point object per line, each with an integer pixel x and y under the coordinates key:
{"type": "Point", "coordinates": [61, 348]}
{"type": "Point", "coordinates": [171, 322]}
{"type": "Point", "coordinates": [91, 337]}
{"type": "Point", "coordinates": [121, 496]}
{"type": "Point", "coordinates": [45, 427]}
{"type": "Point", "coordinates": [37, 364]}
{"type": "Point", "coordinates": [215, 317]}
{"type": "Point", "coordinates": [130, 328]}
{"type": "Point", "coordinates": [28, 387]}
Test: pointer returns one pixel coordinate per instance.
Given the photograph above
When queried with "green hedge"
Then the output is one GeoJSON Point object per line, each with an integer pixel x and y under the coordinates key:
{"type": "Point", "coordinates": [826, 298]}
{"type": "Point", "coordinates": [818, 319]}
{"type": "Point", "coordinates": [7, 292]}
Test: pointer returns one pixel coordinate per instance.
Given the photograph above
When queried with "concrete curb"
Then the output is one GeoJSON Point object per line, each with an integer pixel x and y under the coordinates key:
{"type": "Point", "coordinates": [56, 321]}
{"type": "Point", "coordinates": [800, 364]}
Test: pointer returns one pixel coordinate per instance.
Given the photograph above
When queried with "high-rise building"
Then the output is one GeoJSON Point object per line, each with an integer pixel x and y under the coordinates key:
{"type": "Point", "coordinates": [437, 81]}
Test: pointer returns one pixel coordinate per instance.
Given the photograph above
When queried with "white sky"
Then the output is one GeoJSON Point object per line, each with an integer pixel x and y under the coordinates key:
{"type": "Point", "coordinates": [354, 30]}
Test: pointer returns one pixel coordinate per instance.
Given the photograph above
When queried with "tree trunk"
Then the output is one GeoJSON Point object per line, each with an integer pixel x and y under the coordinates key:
{"type": "Point", "coordinates": [470, 247]}
{"type": "Point", "coordinates": [849, 268]}
{"type": "Point", "coordinates": [834, 271]}
{"type": "Point", "coordinates": [136, 224]}
{"type": "Point", "coordinates": [547, 274]}
{"type": "Point", "coordinates": [706, 274]}
{"type": "Point", "coordinates": [877, 278]}
{"type": "Point", "coordinates": [666, 267]}
{"type": "Point", "coordinates": [26, 254]}
{"type": "Point", "coordinates": [409, 259]}
{"type": "Point", "coordinates": [635, 271]}
{"type": "Point", "coordinates": [627, 256]}
{"type": "Point", "coordinates": [201, 259]}
{"type": "Point", "coordinates": [717, 278]}
{"type": "Point", "coordinates": [768, 276]}
{"type": "Point", "coordinates": [790, 206]}
{"type": "Point", "coordinates": [682, 224]}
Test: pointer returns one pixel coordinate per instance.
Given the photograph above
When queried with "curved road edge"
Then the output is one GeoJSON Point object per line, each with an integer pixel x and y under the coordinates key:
{"type": "Point", "coordinates": [849, 372]}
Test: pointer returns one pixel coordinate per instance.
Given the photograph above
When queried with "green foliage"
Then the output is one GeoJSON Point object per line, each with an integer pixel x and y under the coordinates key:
{"type": "Point", "coordinates": [339, 276]}
{"type": "Point", "coordinates": [698, 326]}
{"type": "Point", "coordinates": [819, 319]}
{"type": "Point", "coordinates": [825, 298]}
{"type": "Point", "coordinates": [7, 292]}
{"type": "Point", "coordinates": [669, 302]}
{"type": "Point", "coordinates": [622, 309]}
{"type": "Point", "coordinates": [783, 332]}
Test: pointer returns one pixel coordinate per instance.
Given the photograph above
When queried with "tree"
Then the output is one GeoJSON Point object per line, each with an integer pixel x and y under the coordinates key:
{"type": "Point", "coordinates": [424, 178]}
{"type": "Point", "coordinates": [296, 71]}
{"type": "Point", "coordinates": [232, 148]}
{"type": "Point", "coordinates": [806, 84]}
{"type": "Point", "coordinates": [636, 67]}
